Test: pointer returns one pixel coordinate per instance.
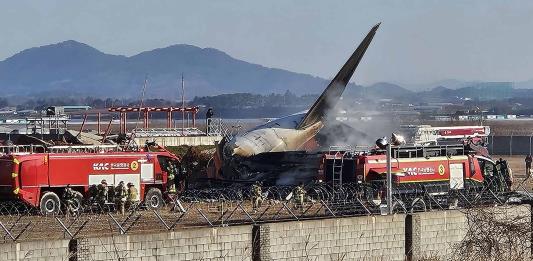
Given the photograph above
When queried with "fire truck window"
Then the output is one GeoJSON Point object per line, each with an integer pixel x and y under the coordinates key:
{"type": "Point", "coordinates": [164, 162]}
{"type": "Point", "coordinates": [174, 165]}
{"type": "Point", "coordinates": [487, 168]}
{"type": "Point", "coordinates": [167, 164]}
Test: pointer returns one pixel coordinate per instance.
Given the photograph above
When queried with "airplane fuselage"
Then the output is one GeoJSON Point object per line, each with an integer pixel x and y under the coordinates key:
{"type": "Point", "coordinates": [275, 136]}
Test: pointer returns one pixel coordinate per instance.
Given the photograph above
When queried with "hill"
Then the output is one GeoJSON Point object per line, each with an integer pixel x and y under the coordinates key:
{"type": "Point", "coordinates": [71, 67]}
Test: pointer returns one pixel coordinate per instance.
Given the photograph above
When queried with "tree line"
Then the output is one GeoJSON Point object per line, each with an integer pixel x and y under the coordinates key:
{"type": "Point", "coordinates": [234, 100]}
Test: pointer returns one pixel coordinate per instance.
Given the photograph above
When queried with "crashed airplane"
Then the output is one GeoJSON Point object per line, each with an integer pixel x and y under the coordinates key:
{"type": "Point", "coordinates": [275, 152]}
{"type": "Point", "coordinates": [290, 133]}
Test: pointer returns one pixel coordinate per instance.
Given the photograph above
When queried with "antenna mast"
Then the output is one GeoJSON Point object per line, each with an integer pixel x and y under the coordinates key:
{"type": "Point", "coordinates": [141, 102]}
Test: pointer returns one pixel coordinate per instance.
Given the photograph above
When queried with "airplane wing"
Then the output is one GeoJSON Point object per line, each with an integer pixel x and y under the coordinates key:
{"type": "Point", "coordinates": [328, 99]}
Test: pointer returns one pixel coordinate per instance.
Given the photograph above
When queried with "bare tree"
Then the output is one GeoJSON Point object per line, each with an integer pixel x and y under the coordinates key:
{"type": "Point", "coordinates": [496, 233]}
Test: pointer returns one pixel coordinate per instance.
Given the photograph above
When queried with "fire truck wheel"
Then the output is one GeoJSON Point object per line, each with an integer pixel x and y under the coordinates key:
{"type": "Point", "coordinates": [77, 201]}
{"type": "Point", "coordinates": [50, 203]}
{"type": "Point", "coordinates": [154, 198]}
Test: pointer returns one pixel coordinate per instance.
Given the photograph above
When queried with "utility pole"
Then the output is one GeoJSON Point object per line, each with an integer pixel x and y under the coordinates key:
{"type": "Point", "coordinates": [389, 179]}
{"type": "Point", "coordinates": [141, 102]}
{"type": "Point", "coordinates": [182, 106]}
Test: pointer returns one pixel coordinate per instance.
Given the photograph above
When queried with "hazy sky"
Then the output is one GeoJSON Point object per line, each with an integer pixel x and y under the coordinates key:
{"type": "Point", "coordinates": [418, 42]}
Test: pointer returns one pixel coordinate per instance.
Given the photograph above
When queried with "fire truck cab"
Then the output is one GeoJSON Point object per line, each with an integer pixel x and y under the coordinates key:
{"type": "Point", "coordinates": [40, 179]}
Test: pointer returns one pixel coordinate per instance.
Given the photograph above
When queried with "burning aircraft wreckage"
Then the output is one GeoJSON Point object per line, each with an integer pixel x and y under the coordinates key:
{"type": "Point", "coordinates": [281, 151]}
{"type": "Point", "coordinates": [285, 152]}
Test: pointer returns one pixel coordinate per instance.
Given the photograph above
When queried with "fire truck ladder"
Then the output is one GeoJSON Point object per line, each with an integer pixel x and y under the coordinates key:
{"type": "Point", "coordinates": [338, 162]}
{"type": "Point", "coordinates": [86, 148]}
{"type": "Point", "coordinates": [21, 149]}
{"type": "Point", "coordinates": [337, 165]}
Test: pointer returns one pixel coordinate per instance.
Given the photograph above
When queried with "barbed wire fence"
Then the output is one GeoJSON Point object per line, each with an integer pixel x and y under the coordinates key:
{"type": "Point", "coordinates": [220, 207]}
{"type": "Point", "coordinates": [233, 206]}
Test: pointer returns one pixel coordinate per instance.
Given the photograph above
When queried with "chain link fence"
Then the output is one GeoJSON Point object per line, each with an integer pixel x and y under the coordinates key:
{"type": "Point", "coordinates": [511, 145]}
{"type": "Point", "coordinates": [234, 206]}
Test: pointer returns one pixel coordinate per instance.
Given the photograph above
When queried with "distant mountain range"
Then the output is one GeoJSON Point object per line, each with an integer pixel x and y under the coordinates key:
{"type": "Point", "coordinates": [483, 91]}
{"type": "Point", "coordinates": [73, 68]}
{"type": "Point", "coordinates": [458, 84]}
{"type": "Point", "coordinates": [76, 68]}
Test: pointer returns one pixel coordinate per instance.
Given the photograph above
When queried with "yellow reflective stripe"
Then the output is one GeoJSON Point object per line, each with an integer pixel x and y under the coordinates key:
{"type": "Point", "coordinates": [16, 161]}
{"type": "Point", "coordinates": [16, 191]}
{"type": "Point", "coordinates": [14, 175]}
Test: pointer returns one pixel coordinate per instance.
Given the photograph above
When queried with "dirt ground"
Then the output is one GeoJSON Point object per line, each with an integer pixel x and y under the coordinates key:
{"type": "Point", "coordinates": [87, 224]}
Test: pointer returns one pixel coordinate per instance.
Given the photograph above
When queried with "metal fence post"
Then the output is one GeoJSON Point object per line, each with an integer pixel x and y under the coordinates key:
{"type": "Point", "coordinates": [492, 143]}
{"type": "Point", "coordinates": [389, 179]}
{"type": "Point", "coordinates": [530, 144]}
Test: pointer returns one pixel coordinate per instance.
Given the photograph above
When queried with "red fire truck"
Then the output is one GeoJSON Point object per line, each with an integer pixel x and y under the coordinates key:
{"type": "Point", "coordinates": [39, 179]}
{"type": "Point", "coordinates": [437, 170]}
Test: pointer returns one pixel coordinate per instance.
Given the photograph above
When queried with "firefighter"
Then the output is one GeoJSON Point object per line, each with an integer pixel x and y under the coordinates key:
{"type": "Point", "coordinates": [506, 173]}
{"type": "Point", "coordinates": [132, 195]}
{"type": "Point", "coordinates": [257, 195]}
{"type": "Point", "coordinates": [68, 196]}
{"type": "Point", "coordinates": [172, 172]}
{"type": "Point", "coordinates": [500, 174]}
{"type": "Point", "coordinates": [208, 115]}
{"type": "Point", "coordinates": [500, 161]}
{"type": "Point", "coordinates": [300, 192]}
{"type": "Point", "coordinates": [501, 169]}
{"type": "Point", "coordinates": [93, 193]}
{"type": "Point", "coordinates": [103, 190]}
{"type": "Point", "coordinates": [528, 161]}
{"type": "Point", "coordinates": [120, 196]}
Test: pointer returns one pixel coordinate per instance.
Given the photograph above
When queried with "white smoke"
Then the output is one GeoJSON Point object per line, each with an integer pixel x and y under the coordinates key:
{"type": "Point", "coordinates": [361, 128]}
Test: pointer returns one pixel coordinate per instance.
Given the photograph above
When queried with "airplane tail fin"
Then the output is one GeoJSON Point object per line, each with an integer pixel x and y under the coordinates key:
{"type": "Point", "coordinates": [328, 99]}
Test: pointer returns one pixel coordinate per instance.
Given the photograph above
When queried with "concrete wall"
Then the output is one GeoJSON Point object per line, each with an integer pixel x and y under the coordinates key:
{"type": "Point", "coordinates": [435, 234]}
{"type": "Point", "coordinates": [429, 234]}
{"type": "Point", "coordinates": [49, 250]}
{"type": "Point", "coordinates": [226, 243]}
{"type": "Point", "coordinates": [361, 238]}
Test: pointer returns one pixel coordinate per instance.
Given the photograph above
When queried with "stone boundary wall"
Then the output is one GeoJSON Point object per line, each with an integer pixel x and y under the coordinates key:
{"type": "Point", "coordinates": [361, 238]}
{"type": "Point", "coordinates": [395, 237]}
{"type": "Point", "coordinates": [42, 250]}
{"type": "Point", "coordinates": [224, 243]}
{"type": "Point", "coordinates": [435, 234]}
